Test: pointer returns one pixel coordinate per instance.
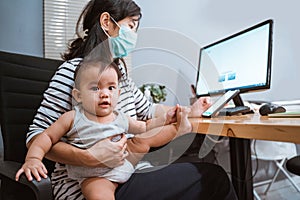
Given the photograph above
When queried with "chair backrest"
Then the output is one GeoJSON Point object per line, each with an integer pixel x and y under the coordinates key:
{"type": "Point", "coordinates": [22, 83]}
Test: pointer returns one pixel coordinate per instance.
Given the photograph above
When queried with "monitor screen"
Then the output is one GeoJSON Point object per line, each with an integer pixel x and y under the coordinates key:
{"type": "Point", "coordinates": [241, 61]}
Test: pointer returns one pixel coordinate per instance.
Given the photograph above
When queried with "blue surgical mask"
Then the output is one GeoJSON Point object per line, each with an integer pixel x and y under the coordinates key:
{"type": "Point", "coordinates": [124, 43]}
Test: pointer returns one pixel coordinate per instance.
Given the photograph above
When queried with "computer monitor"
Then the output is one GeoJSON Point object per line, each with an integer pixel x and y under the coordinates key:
{"type": "Point", "coordinates": [241, 62]}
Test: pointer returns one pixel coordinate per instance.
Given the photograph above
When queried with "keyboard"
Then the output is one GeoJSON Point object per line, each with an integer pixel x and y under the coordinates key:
{"type": "Point", "coordinates": [236, 110]}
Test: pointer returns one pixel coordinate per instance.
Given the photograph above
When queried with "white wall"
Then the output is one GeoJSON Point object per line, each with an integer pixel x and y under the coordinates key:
{"type": "Point", "coordinates": [21, 26]}
{"type": "Point", "coordinates": [172, 32]}
{"type": "Point", "coordinates": [181, 28]}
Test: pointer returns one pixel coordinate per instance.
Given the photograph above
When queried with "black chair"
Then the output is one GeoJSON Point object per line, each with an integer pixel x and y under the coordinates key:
{"type": "Point", "coordinates": [293, 165]}
{"type": "Point", "coordinates": [23, 80]}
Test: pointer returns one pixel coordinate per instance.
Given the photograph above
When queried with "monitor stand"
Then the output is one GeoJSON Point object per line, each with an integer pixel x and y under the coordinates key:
{"type": "Point", "coordinates": [237, 100]}
{"type": "Point", "coordinates": [239, 108]}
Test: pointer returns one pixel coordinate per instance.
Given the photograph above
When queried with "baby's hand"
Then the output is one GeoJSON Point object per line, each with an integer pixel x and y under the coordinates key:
{"type": "Point", "coordinates": [32, 166]}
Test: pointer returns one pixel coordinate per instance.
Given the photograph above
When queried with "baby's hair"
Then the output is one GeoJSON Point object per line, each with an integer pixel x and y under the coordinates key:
{"type": "Point", "coordinates": [83, 65]}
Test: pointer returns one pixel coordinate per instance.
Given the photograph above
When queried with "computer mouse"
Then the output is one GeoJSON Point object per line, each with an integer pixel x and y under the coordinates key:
{"type": "Point", "coordinates": [270, 108]}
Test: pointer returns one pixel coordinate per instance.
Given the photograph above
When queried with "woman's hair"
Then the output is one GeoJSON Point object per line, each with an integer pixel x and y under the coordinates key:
{"type": "Point", "coordinates": [89, 20]}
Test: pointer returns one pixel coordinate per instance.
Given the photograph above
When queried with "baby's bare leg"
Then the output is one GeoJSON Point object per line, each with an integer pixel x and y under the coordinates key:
{"type": "Point", "coordinates": [183, 124]}
{"type": "Point", "coordinates": [141, 143]}
{"type": "Point", "coordinates": [98, 188]}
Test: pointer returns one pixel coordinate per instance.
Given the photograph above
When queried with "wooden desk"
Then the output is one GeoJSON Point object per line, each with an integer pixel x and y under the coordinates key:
{"type": "Point", "coordinates": [241, 129]}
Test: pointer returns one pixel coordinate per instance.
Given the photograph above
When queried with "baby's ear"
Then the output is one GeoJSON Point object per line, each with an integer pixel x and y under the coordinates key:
{"type": "Point", "coordinates": [76, 95]}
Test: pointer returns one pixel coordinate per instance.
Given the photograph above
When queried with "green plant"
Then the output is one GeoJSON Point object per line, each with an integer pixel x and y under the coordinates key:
{"type": "Point", "coordinates": [158, 92]}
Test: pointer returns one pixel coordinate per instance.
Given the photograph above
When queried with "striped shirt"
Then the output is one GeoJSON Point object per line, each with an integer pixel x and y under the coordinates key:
{"type": "Point", "coordinates": [57, 100]}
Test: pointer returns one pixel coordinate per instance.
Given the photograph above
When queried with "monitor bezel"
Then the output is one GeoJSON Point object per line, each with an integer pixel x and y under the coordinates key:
{"type": "Point", "coordinates": [269, 64]}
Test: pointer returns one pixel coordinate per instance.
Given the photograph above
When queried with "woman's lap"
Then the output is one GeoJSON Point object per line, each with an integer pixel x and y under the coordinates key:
{"type": "Point", "coordinates": [178, 181]}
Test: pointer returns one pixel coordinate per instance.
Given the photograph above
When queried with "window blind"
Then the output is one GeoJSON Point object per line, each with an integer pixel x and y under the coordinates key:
{"type": "Point", "coordinates": [60, 17]}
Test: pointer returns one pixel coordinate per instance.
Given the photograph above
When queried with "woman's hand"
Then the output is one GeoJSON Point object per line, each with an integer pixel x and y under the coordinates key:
{"type": "Point", "coordinates": [201, 105]}
{"type": "Point", "coordinates": [107, 153]}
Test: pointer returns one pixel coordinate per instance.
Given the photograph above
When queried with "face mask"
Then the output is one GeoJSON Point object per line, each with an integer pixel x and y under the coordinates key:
{"type": "Point", "coordinates": [124, 43]}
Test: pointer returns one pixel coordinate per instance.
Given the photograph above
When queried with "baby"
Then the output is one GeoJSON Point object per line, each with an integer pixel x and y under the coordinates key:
{"type": "Point", "coordinates": [94, 118]}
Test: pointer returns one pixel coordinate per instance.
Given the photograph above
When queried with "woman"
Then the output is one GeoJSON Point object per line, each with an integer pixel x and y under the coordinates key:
{"type": "Point", "coordinates": [105, 23]}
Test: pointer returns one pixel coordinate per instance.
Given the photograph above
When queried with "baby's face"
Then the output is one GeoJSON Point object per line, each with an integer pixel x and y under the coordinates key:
{"type": "Point", "coordinates": [99, 92]}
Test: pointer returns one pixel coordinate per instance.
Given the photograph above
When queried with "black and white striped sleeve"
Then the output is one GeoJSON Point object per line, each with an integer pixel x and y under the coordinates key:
{"type": "Point", "coordinates": [57, 99]}
{"type": "Point", "coordinates": [144, 108]}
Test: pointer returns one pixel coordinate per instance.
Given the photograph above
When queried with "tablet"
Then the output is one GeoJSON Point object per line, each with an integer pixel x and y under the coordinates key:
{"type": "Point", "coordinates": [220, 103]}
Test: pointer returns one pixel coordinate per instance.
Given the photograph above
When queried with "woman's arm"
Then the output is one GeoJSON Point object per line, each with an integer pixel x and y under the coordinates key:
{"type": "Point", "coordinates": [103, 153]}
{"type": "Point", "coordinates": [63, 153]}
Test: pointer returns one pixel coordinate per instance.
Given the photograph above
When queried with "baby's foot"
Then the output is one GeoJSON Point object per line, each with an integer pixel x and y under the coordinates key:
{"type": "Point", "coordinates": [183, 124]}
